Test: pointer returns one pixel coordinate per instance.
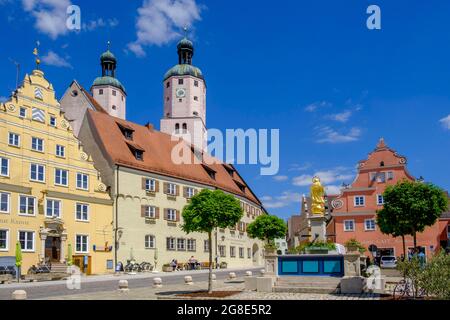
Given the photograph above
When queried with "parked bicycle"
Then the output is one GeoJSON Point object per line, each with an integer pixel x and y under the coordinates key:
{"type": "Point", "coordinates": [405, 289]}
{"type": "Point", "coordinates": [133, 266]}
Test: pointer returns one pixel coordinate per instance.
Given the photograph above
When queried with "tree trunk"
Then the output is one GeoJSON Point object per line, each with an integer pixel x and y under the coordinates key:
{"type": "Point", "coordinates": [415, 241]}
{"type": "Point", "coordinates": [404, 248]}
{"type": "Point", "coordinates": [210, 263]}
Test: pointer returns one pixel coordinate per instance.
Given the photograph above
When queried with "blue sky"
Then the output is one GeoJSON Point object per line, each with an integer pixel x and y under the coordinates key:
{"type": "Point", "coordinates": [309, 68]}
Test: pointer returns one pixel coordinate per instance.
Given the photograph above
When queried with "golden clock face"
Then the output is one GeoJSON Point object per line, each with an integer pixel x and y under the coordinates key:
{"type": "Point", "coordinates": [181, 93]}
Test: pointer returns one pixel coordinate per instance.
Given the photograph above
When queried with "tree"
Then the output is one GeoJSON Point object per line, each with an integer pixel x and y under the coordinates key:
{"type": "Point", "coordinates": [267, 228]}
{"type": "Point", "coordinates": [207, 211]}
{"type": "Point", "coordinates": [410, 207]}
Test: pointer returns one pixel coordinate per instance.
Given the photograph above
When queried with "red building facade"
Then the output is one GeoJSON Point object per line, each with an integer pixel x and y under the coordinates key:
{"type": "Point", "coordinates": [354, 210]}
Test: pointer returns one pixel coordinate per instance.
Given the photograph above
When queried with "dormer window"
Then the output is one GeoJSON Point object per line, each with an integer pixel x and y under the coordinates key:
{"type": "Point", "coordinates": [240, 185]}
{"type": "Point", "coordinates": [139, 155]}
{"type": "Point", "coordinates": [210, 171]}
{"type": "Point", "coordinates": [229, 169]}
{"type": "Point", "coordinates": [127, 131]}
{"type": "Point", "coordinates": [137, 151]}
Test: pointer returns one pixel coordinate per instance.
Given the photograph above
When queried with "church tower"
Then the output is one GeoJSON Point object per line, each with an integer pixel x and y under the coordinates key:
{"type": "Point", "coordinates": [185, 99]}
{"type": "Point", "coordinates": [107, 89]}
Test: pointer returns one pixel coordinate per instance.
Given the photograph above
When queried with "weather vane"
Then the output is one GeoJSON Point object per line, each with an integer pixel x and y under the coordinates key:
{"type": "Point", "coordinates": [36, 53]}
{"type": "Point", "coordinates": [109, 45]}
{"type": "Point", "coordinates": [185, 29]}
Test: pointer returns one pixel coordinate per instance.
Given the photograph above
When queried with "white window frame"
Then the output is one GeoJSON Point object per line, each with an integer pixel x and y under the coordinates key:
{"type": "Point", "coordinates": [26, 239]}
{"type": "Point", "coordinates": [172, 212]}
{"type": "Point", "coordinates": [6, 249]}
{"type": "Point", "coordinates": [353, 225]}
{"type": "Point", "coordinates": [82, 205]}
{"type": "Point", "coordinates": [205, 245]}
{"type": "Point", "coordinates": [1, 167]}
{"type": "Point", "coordinates": [18, 139]}
{"type": "Point", "coordinates": [37, 172]}
{"type": "Point", "coordinates": [379, 175]}
{"type": "Point", "coordinates": [390, 175]}
{"type": "Point", "coordinates": [46, 208]}
{"type": "Point", "coordinates": [172, 189]}
{"type": "Point", "coordinates": [172, 244]}
{"type": "Point", "coordinates": [191, 245]}
{"type": "Point", "coordinates": [370, 229]}
{"type": "Point", "coordinates": [60, 151]}
{"type": "Point", "coordinates": [37, 140]}
{"type": "Point", "coordinates": [149, 241]}
{"type": "Point", "coordinates": [61, 177]}
{"type": "Point", "coordinates": [8, 203]}
{"type": "Point", "coordinates": [363, 201]}
{"type": "Point", "coordinates": [241, 250]}
{"type": "Point", "coordinates": [50, 121]}
{"type": "Point", "coordinates": [190, 192]}
{"type": "Point", "coordinates": [378, 200]}
{"type": "Point", "coordinates": [183, 241]}
{"type": "Point", "coordinates": [232, 252]}
{"type": "Point", "coordinates": [34, 206]}
{"type": "Point", "coordinates": [82, 181]}
{"type": "Point", "coordinates": [150, 212]}
{"type": "Point", "coordinates": [222, 251]}
{"type": "Point", "coordinates": [249, 253]}
{"type": "Point", "coordinates": [87, 243]}
{"type": "Point", "coordinates": [150, 184]}
{"type": "Point", "coordinates": [24, 109]}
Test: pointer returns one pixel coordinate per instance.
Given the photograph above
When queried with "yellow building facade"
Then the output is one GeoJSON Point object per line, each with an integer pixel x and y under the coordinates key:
{"type": "Point", "coordinates": [51, 195]}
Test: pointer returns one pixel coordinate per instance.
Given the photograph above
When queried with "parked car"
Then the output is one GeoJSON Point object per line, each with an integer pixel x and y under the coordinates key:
{"type": "Point", "coordinates": [388, 262]}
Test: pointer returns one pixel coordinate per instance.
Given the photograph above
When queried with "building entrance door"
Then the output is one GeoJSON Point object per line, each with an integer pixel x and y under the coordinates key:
{"type": "Point", "coordinates": [52, 249]}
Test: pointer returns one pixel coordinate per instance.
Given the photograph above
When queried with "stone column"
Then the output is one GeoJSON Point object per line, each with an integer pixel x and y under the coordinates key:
{"type": "Point", "coordinates": [271, 264]}
{"type": "Point", "coordinates": [352, 266]}
{"type": "Point", "coordinates": [62, 254]}
{"type": "Point", "coordinates": [42, 255]}
{"type": "Point", "coordinates": [318, 227]}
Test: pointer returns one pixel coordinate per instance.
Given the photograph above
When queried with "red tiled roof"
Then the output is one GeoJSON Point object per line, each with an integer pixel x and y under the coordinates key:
{"type": "Point", "coordinates": [158, 148]}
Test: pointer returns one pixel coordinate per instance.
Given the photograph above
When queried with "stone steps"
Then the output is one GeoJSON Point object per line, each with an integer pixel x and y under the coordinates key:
{"type": "Point", "coordinates": [324, 285]}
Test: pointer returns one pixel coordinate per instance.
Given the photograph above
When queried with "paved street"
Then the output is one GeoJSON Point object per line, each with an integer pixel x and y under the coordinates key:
{"type": "Point", "coordinates": [97, 286]}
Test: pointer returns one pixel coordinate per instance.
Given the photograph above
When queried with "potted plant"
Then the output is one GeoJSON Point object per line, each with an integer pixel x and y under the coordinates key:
{"type": "Point", "coordinates": [167, 268]}
{"type": "Point", "coordinates": [319, 247]}
{"type": "Point", "coordinates": [354, 245]}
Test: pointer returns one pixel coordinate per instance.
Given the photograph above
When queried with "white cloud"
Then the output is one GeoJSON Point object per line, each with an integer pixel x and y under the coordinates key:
{"type": "Point", "coordinates": [280, 178]}
{"type": "Point", "coordinates": [53, 59]}
{"type": "Point", "coordinates": [329, 135]}
{"type": "Point", "coordinates": [50, 15]}
{"type": "Point", "coordinates": [339, 174]}
{"type": "Point", "coordinates": [316, 105]}
{"type": "Point", "coordinates": [99, 23]}
{"type": "Point", "coordinates": [340, 117]}
{"type": "Point", "coordinates": [281, 201]}
{"type": "Point", "coordinates": [445, 122]}
{"type": "Point", "coordinates": [299, 167]}
{"type": "Point", "coordinates": [333, 189]}
{"type": "Point", "coordinates": [158, 22]}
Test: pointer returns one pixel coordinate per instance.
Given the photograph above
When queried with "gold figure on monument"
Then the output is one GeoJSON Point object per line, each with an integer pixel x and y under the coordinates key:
{"type": "Point", "coordinates": [317, 197]}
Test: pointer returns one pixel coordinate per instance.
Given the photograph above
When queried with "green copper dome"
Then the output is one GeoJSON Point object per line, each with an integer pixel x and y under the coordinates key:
{"type": "Point", "coordinates": [108, 81]}
{"type": "Point", "coordinates": [185, 43]}
{"type": "Point", "coordinates": [184, 70]}
{"type": "Point", "coordinates": [107, 56]}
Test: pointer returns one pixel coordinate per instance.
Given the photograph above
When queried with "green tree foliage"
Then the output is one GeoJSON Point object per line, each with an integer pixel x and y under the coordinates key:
{"type": "Point", "coordinates": [267, 228]}
{"type": "Point", "coordinates": [207, 211]}
{"type": "Point", "coordinates": [409, 207]}
{"type": "Point", "coordinates": [436, 276]}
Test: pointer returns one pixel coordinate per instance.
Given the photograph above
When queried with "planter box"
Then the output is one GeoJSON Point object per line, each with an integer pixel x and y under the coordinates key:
{"type": "Point", "coordinates": [313, 250]}
{"type": "Point", "coordinates": [167, 269]}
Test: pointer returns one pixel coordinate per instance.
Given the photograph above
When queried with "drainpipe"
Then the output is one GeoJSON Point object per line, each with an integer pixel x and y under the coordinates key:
{"type": "Point", "coordinates": [116, 242]}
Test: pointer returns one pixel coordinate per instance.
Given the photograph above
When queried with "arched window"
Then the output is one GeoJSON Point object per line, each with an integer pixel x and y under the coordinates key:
{"type": "Point", "coordinates": [177, 128]}
{"type": "Point", "coordinates": [382, 164]}
{"type": "Point", "coordinates": [184, 128]}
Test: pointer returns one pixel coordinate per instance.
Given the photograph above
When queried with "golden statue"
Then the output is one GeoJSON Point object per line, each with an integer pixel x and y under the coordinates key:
{"type": "Point", "coordinates": [317, 197]}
